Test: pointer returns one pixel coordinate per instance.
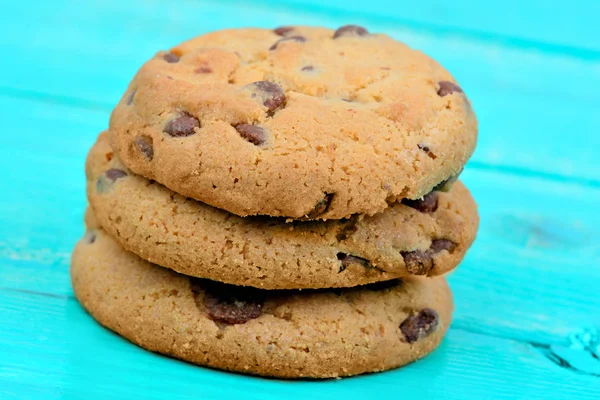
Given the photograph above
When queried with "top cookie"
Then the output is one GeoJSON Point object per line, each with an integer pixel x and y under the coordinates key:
{"type": "Point", "coordinates": [297, 122]}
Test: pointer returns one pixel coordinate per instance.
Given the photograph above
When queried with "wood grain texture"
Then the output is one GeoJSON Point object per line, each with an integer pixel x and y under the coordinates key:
{"type": "Point", "coordinates": [524, 294]}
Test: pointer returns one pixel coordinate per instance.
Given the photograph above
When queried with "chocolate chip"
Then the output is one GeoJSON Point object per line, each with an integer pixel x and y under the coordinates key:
{"type": "Point", "coordinates": [113, 174]}
{"type": "Point", "coordinates": [227, 303]}
{"type": "Point", "coordinates": [129, 100]}
{"type": "Point", "coordinates": [350, 30]}
{"type": "Point", "coordinates": [182, 126]}
{"type": "Point", "coordinates": [308, 68]}
{"type": "Point", "coordinates": [283, 30]}
{"type": "Point", "coordinates": [171, 58]}
{"type": "Point", "coordinates": [447, 87]}
{"type": "Point", "coordinates": [252, 133]}
{"type": "Point", "coordinates": [446, 185]}
{"type": "Point", "coordinates": [427, 204]}
{"type": "Point", "coordinates": [427, 151]}
{"type": "Point", "coordinates": [348, 228]}
{"type": "Point", "coordinates": [144, 145]}
{"type": "Point", "coordinates": [321, 207]}
{"type": "Point", "coordinates": [419, 325]}
{"type": "Point", "coordinates": [438, 245]}
{"type": "Point", "coordinates": [204, 70]}
{"type": "Point", "coordinates": [270, 94]}
{"type": "Point", "coordinates": [89, 237]}
{"type": "Point", "coordinates": [377, 286]}
{"type": "Point", "coordinates": [106, 180]}
{"type": "Point", "coordinates": [299, 39]}
{"type": "Point", "coordinates": [347, 260]}
{"type": "Point", "coordinates": [418, 262]}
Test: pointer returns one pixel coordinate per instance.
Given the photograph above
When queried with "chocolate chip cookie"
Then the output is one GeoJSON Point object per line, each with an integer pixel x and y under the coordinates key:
{"type": "Point", "coordinates": [421, 237]}
{"type": "Point", "coordinates": [298, 122]}
{"type": "Point", "coordinates": [288, 334]}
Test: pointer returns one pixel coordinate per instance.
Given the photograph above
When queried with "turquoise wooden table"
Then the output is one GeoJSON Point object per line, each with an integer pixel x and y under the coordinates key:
{"type": "Point", "coordinates": [527, 322]}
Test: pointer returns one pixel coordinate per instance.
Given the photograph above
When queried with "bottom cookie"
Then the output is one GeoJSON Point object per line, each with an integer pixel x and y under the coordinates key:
{"type": "Point", "coordinates": [282, 333]}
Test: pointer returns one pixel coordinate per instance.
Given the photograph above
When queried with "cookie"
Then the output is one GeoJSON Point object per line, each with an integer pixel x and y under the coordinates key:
{"type": "Point", "coordinates": [425, 237]}
{"type": "Point", "coordinates": [288, 334]}
{"type": "Point", "coordinates": [305, 123]}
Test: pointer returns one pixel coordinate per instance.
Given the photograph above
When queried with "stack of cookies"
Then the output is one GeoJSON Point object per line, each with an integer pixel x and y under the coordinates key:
{"type": "Point", "coordinates": [281, 202]}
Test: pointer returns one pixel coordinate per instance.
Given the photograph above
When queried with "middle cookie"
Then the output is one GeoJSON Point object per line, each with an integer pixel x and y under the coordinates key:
{"type": "Point", "coordinates": [426, 237]}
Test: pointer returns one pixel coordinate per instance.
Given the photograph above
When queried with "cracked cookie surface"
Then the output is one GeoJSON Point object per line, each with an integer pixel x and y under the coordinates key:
{"type": "Point", "coordinates": [425, 237]}
{"type": "Point", "coordinates": [295, 122]}
{"type": "Point", "coordinates": [288, 334]}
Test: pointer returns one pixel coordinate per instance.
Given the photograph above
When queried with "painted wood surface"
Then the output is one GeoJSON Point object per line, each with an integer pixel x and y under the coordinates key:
{"type": "Point", "coordinates": [527, 323]}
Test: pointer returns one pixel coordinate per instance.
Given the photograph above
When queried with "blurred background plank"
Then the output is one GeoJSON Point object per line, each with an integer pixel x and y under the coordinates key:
{"type": "Point", "coordinates": [522, 94]}
{"type": "Point", "coordinates": [568, 28]}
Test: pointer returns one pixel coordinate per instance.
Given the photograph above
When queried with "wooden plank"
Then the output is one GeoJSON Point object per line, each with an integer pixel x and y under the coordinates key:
{"type": "Point", "coordinates": [512, 23]}
{"type": "Point", "coordinates": [86, 60]}
{"type": "Point", "coordinates": [52, 349]}
{"type": "Point", "coordinates": [570, 28]}
{"type": "Point", "coordinates": [521, 95]}
{"type": "Point", "coordinates": [527, 277]}
{"type": "Point", "coordinates": [529, 274]}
